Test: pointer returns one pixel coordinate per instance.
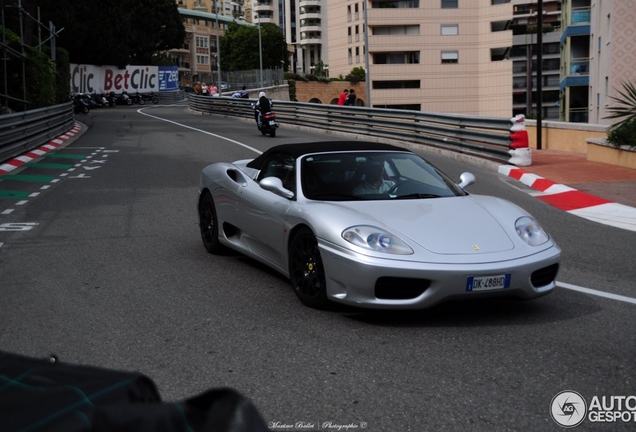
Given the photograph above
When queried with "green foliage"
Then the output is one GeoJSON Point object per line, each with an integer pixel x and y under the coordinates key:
{"type": "Point", "coordinates": [292, 90]}
{"type": "Point", "coordinates": [356, 75]}
{"type": "Point", "coordinates": [62, 74]}
{"type": "Point", "coordinates": [623, 132]}
{"type": "Point", "coordinates": [624, 135]}
{"type": "Point", "coordinates": [117, 33]}
{"type": "Point", "coordinates": [239, 47]}
{"type": "Point", "coordinates": [626, 104]}
{"type": "Point", "coordinates": [30, 84]}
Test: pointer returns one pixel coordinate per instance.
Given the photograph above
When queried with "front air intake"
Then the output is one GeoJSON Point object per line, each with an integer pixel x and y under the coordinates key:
{"type": "Point", "coordinates": [394, 288]}
{"type": "Point", "coordinates": [544, 276]}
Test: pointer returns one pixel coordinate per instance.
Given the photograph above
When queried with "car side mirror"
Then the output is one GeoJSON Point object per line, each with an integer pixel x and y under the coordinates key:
{"type": "Point", "coordinates": [274, 184]}
{"type": "Point", "coordinates": [466, 179]}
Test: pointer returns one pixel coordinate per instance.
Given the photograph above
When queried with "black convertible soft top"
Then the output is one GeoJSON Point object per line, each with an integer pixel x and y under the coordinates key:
{"type": "Point", "coordinates": [297, 150]}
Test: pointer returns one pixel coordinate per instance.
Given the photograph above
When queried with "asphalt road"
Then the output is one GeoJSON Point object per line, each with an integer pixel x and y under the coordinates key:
{"type": "Point", "coordinates": [105, 267]}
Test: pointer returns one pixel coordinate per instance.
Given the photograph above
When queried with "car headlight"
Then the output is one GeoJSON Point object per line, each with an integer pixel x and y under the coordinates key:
{"type": "Point", "coordinates": [376, 239]}
{"type": "Point", "coordinates": [530, 231]}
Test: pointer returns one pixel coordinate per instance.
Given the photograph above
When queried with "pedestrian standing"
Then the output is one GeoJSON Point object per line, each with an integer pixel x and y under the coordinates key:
{"type": "Point", "coordinates": [351, 99]}
{"type": "Point", "coordinates": [343, 97]}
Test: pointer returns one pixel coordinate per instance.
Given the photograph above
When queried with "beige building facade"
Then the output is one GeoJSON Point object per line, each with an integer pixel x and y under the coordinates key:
{"type": "Point", "coordinates": [612, 54]}
{"type": "Point", "coordinates": [434, 55]}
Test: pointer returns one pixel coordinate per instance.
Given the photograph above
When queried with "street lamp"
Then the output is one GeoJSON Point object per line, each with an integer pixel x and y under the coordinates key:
{"type": "Point", "coordinates": [260, 49]}
{"type": "Point", "coordinates": [218, 49]}
{"type": "Point", "coordinates": [367, 79]}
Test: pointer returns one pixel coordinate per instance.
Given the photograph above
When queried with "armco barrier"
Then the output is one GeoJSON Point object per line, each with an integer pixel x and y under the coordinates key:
{"type": "Point", "coordinates": [23, 131]}
{"type": "Point", "coordinates": [485, 137]}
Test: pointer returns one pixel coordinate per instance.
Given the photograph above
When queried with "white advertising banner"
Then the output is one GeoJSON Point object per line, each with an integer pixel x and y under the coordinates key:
{"type": "Point", "coordinates": [98, 79]}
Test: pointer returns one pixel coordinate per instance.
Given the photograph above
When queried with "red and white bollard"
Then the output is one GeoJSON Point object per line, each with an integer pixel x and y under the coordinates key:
{"type": "Point", "coordinates": [520, 151]}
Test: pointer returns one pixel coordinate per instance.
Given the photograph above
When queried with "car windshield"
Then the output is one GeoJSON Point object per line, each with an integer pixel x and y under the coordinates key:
{"type": "Point", "coordinates": [373, 175]}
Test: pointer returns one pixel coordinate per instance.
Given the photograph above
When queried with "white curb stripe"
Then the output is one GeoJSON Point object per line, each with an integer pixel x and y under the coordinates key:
{"type": "Point", "coordinates": [596, 292]}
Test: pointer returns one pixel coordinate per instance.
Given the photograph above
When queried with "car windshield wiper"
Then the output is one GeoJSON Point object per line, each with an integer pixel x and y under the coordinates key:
{"type": "Point", "coordinates": [417, 196]}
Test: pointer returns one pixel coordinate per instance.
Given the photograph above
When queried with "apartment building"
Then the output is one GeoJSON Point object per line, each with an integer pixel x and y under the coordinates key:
{"type": "Point", "coordinates": [612, 54]}
{"type": "Point", "coordinates": [575, 60]}
{"type": "Point", "coordinates": [437, 55]}
{"type": "Point", "coordinates": [524, 55]}
{"type": "Point", "coordinates": [304, 25]}
{"type": "Point", "coordinates": [197, 57]}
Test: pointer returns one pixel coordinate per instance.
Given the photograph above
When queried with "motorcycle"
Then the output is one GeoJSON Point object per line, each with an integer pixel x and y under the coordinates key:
{"type": "Point", "coordinates": [268, 124]}
{"type": "Point", "coordinates": [124, 99]}
{"type": "Point", "coordinates": [111, 97]}
{"type": "Point", "coordinates": [80, 105]}
{"type": "Point", "coordinates": [148, 97]}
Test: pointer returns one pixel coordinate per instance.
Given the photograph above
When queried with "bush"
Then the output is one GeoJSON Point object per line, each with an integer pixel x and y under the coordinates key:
{"type": "Point", "coordinates": [623, 134]}
{"type": "Point", "coordinates": [356, 75]}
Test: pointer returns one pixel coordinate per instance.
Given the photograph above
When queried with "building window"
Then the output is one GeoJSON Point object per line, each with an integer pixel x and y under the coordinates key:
{"type": "Point", "coordinates": [203, 59]}
{"type": "Point", "coordinates": [450, 29]}
{"type": "Point", "coordinates": [396, 4]}
{"type": "Point", "coordinates": [449, 4]}
{"type": "Point", "coordinates": [407, 84]}
{"type": "Point", "coordinates": [396, 30]}
{"type": "Point", "coordinates": [202, 42]}
{"type": "Point", "coordinates": [409, 57]}
{"type": "Point", "coordinates": [450, 57]}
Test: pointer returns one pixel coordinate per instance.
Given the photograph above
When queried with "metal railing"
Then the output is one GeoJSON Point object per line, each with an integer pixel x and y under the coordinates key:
{"type": "Point", "coordinates": [487, 137]}
{"type": "Point", "coordinates": [23, 131]}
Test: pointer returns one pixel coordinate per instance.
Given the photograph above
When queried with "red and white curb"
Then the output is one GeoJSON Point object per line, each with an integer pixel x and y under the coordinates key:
{"type": "Point", "coordinates": [54, 144]}
{"type": "Point", "coordinates": [575, 202]}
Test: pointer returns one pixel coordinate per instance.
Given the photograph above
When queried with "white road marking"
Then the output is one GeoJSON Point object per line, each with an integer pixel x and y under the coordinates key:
{"type": "Point", "coordinates": [202, 131]}
{"type": "Point", "coordinates": [596, 292]}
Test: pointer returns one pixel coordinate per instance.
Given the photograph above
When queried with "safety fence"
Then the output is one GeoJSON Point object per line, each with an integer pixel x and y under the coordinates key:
{"type": "Point", "coordinates": [23, 131]}
{"type": "Point", "coordinates": [486, 137]}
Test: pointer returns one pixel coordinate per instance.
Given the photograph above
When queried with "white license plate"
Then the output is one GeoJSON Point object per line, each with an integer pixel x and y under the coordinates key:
{"type": "Point", "coordinates": [488, 283]}
{"type": "Point", "coordinates": [272, 122]}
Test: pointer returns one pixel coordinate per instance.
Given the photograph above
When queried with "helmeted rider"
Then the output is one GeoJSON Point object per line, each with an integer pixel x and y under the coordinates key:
{"type": "Point", "coordinates": [264, 105]}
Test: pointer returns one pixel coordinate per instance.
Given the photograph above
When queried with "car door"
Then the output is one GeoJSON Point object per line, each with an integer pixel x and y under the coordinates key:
{"type": "Point", "coordinates": [261, 214]}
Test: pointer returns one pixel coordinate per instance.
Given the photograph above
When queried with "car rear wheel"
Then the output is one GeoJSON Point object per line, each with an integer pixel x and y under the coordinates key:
{"type": "Point", "coordinates": [208, 223]}
{"type": "Point", "coordinates": [306, 272]}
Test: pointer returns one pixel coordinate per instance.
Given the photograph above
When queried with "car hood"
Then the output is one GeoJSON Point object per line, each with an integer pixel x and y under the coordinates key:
{"type": "Point", "coordinates": [454, 225]}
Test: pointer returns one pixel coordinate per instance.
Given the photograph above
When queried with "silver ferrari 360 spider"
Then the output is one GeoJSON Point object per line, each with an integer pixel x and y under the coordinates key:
{"type": "Point", "coordinates": [372, 225]}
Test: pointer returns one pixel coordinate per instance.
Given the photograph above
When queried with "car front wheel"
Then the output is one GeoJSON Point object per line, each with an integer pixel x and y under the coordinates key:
{"type": "Point", "coordinates": [306, 272]}
{"type": "Point", "coordinates": [208, 223]}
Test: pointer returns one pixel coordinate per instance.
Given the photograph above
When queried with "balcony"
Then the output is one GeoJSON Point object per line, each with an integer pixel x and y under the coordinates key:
{"type": "Point", "coordinates": [580, 15]}
{"type": "Point", "coordinates": [304, 3]}
{"type": "Point", "coordinates": [313, 38]}
{"type": "Point", "coordinates": [580, 66]}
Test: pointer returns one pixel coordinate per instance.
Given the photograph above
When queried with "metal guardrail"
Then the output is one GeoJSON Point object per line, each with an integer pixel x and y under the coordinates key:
{"type": "Point", "coordinates": [23, 131]}
{"type": "Point", "coordinates": [487, 137]}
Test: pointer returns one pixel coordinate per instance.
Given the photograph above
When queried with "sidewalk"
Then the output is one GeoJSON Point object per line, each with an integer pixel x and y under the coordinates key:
{"type": "Point", "coordinates": [567, 180]}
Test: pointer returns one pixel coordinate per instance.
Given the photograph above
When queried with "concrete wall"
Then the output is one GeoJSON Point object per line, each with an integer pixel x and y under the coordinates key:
{"type": "Point", "coordinates": [564, 136]}
{"type": "Point", "coordinates": [327, 93]}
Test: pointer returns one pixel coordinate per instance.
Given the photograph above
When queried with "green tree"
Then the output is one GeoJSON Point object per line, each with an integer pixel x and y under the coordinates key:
{"type": "Point", "coordinates": [239, 47]}
{"type": "Point", "coordinates": [115, 33]}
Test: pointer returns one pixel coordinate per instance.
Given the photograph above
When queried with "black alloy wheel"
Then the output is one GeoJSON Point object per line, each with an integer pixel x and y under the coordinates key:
{"type": "Point", "coordinates": [208, 224]}
{"type": "Point", "coordinates": [306, 272]}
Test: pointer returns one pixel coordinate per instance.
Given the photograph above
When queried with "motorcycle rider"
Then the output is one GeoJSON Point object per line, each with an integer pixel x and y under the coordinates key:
{"type": "Point", "coordinates": [264, 105]}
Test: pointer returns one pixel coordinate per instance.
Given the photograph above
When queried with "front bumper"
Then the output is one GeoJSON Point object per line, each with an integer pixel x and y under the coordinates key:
{"type": "Point", "coordinates": [353, 278]}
